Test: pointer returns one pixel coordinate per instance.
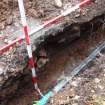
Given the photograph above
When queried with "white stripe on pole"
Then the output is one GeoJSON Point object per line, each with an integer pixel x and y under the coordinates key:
{"type": "Point", "coordinates": [22, 12]}
{"type": "Point", "coordinates": [29, 50]}
{"type": "Point", "coordinates": [33, 72]}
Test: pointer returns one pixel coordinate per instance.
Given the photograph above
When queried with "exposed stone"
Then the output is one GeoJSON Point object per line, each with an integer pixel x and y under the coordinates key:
{"type": "Point", "coordinates": [2, 25]}
{"type": "Point", "coordinates": [77, 15]}
{"type": "Point", "coordinates": [6, 41]}
{"type": "Point", "coordinates": [97, 80]}
{"type": "Point", "coordinates": [74, 83]}
{"type": "Point", "coordinates": [76, 97]}
{"type": "Point", "coordinates": [9, 20]}
{"type": "Point", "coordinates": [58, 3]}
{"type": "Point", "coordinates": [1, 71]}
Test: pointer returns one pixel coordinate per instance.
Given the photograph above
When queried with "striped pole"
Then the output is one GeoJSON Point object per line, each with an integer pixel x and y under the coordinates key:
{"type": "Point", "coordinates": [48, 23]}
{"type": "Point", "coordinates": [29, 49]}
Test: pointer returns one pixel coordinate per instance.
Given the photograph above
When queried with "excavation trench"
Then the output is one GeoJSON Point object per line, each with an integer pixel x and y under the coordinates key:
{"type": "Point", "coordinates": [65, 51]}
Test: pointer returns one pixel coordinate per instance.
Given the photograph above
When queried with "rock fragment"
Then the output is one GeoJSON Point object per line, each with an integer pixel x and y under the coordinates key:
{"type": "Point", "coordinates": [9, 20]}
{"type": "Point", "coordinates": [97, 80]}
{"type": "Point", "coordinates": [58, 3]}
{"type": "Point", "coordinates": [1, 71]}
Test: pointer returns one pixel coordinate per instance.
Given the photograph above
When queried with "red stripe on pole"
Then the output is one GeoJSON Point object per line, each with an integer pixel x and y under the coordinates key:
{"type": "Point", "coordinates": [31, 62]}
{"type": "Point", "coordinates": [35, 64]}
{"type": "Point", "coordinates": [34, 80]}
{"type": "Point", "coordinates": [52, 21]}
{"type": "Point", "coordinates": [26, 35]}
{"type": "Point", "coordinates": [4, 48]}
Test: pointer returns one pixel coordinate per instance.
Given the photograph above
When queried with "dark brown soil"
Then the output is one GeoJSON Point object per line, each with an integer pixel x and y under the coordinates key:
{"type": "Point", "coordinates": [64, 56]}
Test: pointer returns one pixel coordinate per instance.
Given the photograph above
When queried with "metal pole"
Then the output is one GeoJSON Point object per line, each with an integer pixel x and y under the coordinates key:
{"type": "Point", "coordinates": [29, 49]}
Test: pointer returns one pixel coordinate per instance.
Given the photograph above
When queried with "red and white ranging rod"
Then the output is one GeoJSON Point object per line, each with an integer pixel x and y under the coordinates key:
{"type": "Point", "coordinates": [48, 23]}
{"type": "Point", "coordinates": [29, 49]}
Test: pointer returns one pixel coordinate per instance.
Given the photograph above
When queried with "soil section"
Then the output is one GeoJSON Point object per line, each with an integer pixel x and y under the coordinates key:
{"type": "Point", "coordinates": [64, 57]}
{"type": "Point", "coordinates": [13, 63]}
